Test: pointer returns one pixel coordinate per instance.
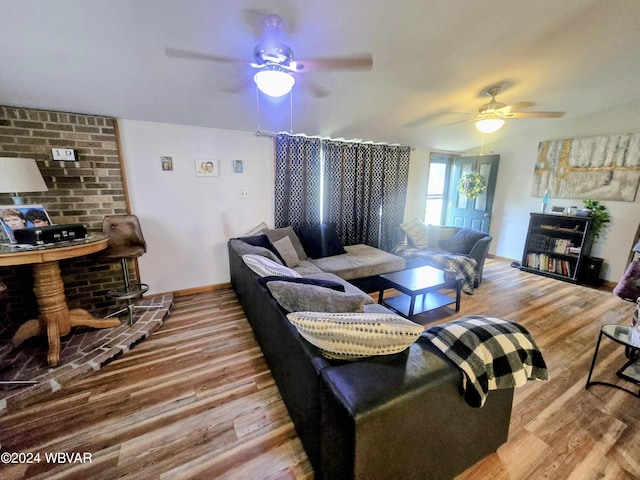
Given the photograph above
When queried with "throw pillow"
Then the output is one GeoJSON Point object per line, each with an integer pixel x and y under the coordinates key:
{"type": "Point", "coordinates": [276, 234]}
{"type": "Point", "coordinates": [438, 233]}
{"type": "Point", "coordinates": [349, 336]}
{"type": "Point", "coordinates": [262, 241]}
{"type": "Point", "coordinates": [244, 248]}
{"type": "Point", "coordinates": [296, 297]}
{"type": "Point", "coordinates": [321, 241]}
{"type": "Point", "coordinates": [338, 287]}
{"type": "Point", "coordinates": [260, 228]}
{"type": "Point", "coordinates": [417, 232]}
{"type": "Point", "coordinates": [462, 241]}
{"type": "Point", "coordinates": [265, 267]}
{"type": "Point", "coordinates": [287, 251]}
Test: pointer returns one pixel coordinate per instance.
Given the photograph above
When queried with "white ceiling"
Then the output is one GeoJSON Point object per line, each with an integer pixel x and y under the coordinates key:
{"type": "Point", "coordinates": [433, 59]}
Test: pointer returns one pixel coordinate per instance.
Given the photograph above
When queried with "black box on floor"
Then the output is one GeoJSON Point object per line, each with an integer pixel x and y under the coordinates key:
{"type": "Point", "coordinates": [50, 234]}
{"type": "Point", "coordinates": [590, 271]}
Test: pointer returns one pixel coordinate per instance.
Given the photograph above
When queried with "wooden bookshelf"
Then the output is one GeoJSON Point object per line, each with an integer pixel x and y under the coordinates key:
{"type": "Point", "coordinates": [556, 245]}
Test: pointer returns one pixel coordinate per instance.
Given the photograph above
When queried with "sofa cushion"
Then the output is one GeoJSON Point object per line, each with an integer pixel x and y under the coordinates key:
{"type": "Point", "coordinates": [287, 251]}
{"type": "Point", "coordinates": [360, 261]}
{"type": "Point", "coordinates": [350, 336]}
{"type": "Point", "coordinates": [263, 241]}
{"type": "Point", "coordinates": [265, 267]}
{"type": "Point", "coordinates": [244, 248]}
{"type": "Point", "coordinates": [462, 241]}
{"type": "Point", "coordinates": [337, 286]}
{"type": "Point", "coordinates": [321, 241]}
{"type": "Point", "coordinates": [295, 297]}
{"type": "Point", "coordinates": [307, 268]}
{"type": "Point", "coordinates": [276, 234]}
{"type": "Point", "coordinates": [348, 287]}
{"type": "Point", "coordinates": [417, 233]}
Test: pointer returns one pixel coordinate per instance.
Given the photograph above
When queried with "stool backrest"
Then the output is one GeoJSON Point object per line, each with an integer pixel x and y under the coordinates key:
{"type": "Point", "coordinates": [125, 236]}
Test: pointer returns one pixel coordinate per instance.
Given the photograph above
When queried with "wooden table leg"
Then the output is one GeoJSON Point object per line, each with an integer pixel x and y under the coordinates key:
{"type": "Point", "coordinates": [54, 318]}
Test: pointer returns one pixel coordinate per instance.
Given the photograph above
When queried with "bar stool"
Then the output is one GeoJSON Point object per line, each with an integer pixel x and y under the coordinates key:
{"type": "Point", "coordinates": [125, 241]}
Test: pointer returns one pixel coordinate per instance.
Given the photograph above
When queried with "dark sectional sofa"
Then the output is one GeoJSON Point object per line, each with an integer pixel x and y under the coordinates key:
{"type": "Point", "coordinates": [399, 416]}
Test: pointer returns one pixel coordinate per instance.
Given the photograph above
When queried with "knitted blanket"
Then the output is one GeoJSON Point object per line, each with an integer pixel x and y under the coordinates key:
{"type": "Point", "coordinates": [491, 352]}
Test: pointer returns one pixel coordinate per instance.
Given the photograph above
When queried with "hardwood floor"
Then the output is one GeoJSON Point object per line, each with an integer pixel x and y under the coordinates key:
{"type": "Point", "coordinates": [196, 399]}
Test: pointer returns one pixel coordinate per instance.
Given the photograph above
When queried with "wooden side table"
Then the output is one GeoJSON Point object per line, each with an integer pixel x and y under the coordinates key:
{"type": "Point", "coordinates": [630, 371]}
{"type": "Point", "coordinates": [54, 317]}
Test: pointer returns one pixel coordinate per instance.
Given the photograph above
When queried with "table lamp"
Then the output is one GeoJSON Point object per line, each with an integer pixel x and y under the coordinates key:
{"type": "Point", "coordinates": [19, 175]}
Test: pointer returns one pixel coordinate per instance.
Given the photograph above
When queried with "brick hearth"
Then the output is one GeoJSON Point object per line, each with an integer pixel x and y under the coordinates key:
{"type": "Point", "coordinates": [84, 351]}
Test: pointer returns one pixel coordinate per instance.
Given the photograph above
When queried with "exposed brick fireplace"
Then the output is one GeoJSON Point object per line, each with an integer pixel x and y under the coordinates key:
{"type": "Point", "coordinates": [79, 192]}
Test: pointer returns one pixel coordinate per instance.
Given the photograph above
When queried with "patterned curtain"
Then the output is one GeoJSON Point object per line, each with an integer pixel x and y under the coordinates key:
{"type": "Point", "coordinates": [396, 176]}
{"type": "Point", "coordinates": [297, 181]}
{"type": "Point", "coordinates": [360, 187]}
{"type": "Point", "coordinates": [365, 190]}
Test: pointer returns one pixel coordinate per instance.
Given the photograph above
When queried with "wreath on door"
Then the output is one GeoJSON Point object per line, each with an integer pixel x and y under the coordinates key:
{"type": "Point", "coordinates": [472, 184]}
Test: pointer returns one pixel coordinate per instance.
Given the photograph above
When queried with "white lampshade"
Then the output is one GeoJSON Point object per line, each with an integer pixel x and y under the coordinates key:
{"type": "Point", "coordinates": [18, 175]}
{"type": "Point", "coordinates": [489, 124]}
{"type": "Point", "coordinates": [274, 81]}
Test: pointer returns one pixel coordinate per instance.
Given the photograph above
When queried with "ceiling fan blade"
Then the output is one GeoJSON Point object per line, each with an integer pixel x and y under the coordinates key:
{"type": "Point", "coordinates": [177, 53]}
{"type": "Point", "coordinates": [362, 61]}
{"type": "Point", "coordinates": [515, 107]}
{"type": "Point", "coordinates": [536, 114]}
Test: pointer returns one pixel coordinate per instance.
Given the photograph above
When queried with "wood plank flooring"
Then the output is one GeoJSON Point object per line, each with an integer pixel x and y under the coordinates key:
{"type": "Point", "coordinates": [196, 399]}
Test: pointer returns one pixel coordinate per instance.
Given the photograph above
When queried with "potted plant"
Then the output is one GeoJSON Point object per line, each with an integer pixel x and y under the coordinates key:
{"type": "Point", "coordinates": [472, 184]}
{"type": "Point", "coordinates": [599, 219]}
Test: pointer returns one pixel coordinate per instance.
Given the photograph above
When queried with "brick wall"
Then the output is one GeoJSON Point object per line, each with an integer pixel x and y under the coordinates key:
{"type": "Point", "coordinates": [79, 192]}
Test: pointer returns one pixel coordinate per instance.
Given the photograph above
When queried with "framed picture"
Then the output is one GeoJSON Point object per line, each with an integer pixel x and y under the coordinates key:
{"type": "Point", "coordinates": [206, 167]}
{"type": "Point", "coordinates": [237, 166]}
{"type": "Point", "coordinates": [14, 217]}
{"type": "Point", "coordinates": [167, 163]}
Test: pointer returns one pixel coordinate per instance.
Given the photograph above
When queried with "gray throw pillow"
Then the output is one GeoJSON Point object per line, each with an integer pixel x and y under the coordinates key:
{"type": "Point", "coordinates": [243, 248]}
{"type": "Point", "coordinates": [287, 251]}
{"type": "Point", "coordinates": [276, 234]}
{"type": "Point", "coordinates": [295, 297]}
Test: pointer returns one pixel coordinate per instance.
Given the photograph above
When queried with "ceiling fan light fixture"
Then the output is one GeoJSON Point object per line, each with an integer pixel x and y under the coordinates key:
{"type": "Point", "coordinates": [274, 81]}
{"type": "Point", "coordinates": [489, 125]}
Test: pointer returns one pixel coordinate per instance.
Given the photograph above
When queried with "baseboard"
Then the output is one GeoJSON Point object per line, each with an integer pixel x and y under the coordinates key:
{"type": "Point", "coordinates": [203, 289]}
{"type": "Point", "coordinates": [502, 259]}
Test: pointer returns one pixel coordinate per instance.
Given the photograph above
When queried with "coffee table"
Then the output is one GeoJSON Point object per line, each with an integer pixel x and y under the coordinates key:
{"type": "Point", "coordinates": [419, 287]}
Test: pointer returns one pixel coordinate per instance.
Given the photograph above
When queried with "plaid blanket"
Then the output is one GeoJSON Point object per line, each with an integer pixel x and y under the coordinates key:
{"type": "Point", "coordinates": [491, 352]}
{"type": "Point", "coordinates": [463, 265]}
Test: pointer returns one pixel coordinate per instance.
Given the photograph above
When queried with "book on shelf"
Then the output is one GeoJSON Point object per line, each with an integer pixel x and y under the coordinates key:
{"type": "Point", "coordinates": [561, 245]}
{"type": "Point", "coordinates": [546, 263]}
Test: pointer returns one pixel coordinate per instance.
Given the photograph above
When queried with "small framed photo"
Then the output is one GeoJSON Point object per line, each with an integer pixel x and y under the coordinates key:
{"type": "Point", "coordinates": [237, 166]}
{"type": "Point", "coordinates": [14, 217]}
{"type": "Point", "coordinates": [206, 167]}
{"type": "Point", "coordinates": [167, 163]}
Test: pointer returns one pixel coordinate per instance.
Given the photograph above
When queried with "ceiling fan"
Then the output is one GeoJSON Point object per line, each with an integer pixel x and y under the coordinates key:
{"type": "Point", "coordinates": [274, 62]}
{"type": "Point", "coordinates": [491, 116]}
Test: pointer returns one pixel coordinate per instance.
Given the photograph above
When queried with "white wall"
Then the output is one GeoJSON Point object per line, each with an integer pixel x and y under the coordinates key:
{"type": "Point", "coordinates": [186, 219]}
{"type": "Point", "coordinates": [513, 201]}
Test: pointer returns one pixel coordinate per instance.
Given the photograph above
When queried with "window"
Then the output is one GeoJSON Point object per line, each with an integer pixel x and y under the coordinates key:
{"type": "Point", "coordinates": [438, 188]}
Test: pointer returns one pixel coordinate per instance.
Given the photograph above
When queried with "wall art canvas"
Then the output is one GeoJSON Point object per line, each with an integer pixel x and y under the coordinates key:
{"type": "Point", "coordinates": [596, 168]}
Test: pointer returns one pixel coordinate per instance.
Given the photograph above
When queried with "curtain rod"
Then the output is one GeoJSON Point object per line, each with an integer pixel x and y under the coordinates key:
{"type": "Point", "coordinates": [266, 133]}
